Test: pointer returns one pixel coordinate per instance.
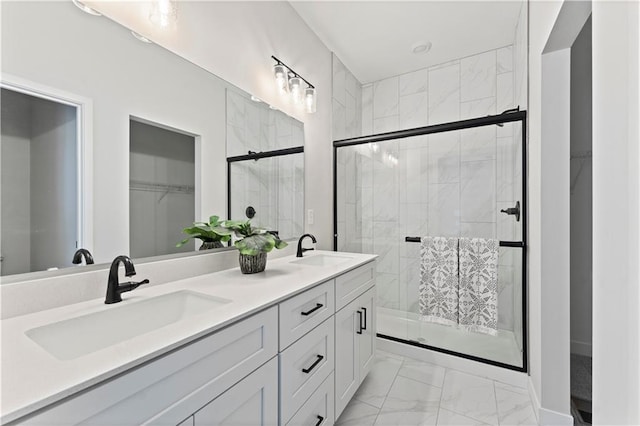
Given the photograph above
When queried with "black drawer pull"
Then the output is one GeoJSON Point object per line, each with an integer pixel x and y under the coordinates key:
{"type": "Point", "coordinates": [317, 361]}
{"type": "Point", "coordinates": [320, 420]}
{"type": "Point", "coordinates": [364, 327]}
{"type": "Point", "coordinates": [318, 306]}
{"type": "Point", "coordinates": [359, 322]}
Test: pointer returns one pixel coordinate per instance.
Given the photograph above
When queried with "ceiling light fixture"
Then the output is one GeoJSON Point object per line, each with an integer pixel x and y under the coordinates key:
{"type": "Point", "coordinates": [421, 47]}
{"type": "Point", "coordinates": [141, 37]}
{"type": "Point", "coordinates": [86, 9]}
{"type": "Point", "coordinates": [287, 80]}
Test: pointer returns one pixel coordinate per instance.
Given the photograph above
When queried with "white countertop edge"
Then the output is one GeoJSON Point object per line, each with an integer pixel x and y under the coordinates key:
{"type": "Point", "coordinates": [16, 410]}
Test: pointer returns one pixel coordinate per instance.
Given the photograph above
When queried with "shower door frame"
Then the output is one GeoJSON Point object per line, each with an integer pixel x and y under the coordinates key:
{"type": "Point", "coordinates": [508, 116]}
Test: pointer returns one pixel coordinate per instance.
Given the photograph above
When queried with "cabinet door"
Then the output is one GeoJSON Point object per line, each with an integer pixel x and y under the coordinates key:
{"type": "Point", "coordinates": [252, 401]}
{"type": "Point", "coordinates": [347, 375]}
{"type": "Point", "coordinates": [366, 340]}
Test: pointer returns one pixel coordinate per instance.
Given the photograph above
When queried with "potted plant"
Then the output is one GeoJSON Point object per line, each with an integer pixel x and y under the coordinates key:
{"type": "Point", "coordinates": [253, 244]}
{"type": "Point", "coordinates": [212, 234]}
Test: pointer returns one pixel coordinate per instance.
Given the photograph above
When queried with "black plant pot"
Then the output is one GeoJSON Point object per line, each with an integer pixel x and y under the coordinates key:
{"type": "Point", "coordinates": [206, 245]}
{"type": "Point", "coordinates": [251, 264]}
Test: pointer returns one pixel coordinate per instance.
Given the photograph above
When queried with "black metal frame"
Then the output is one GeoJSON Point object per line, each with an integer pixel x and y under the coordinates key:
{"type": "Point", "coordinates": [255, 156]}
{"type": "Point", "coordinates": [505, 117]}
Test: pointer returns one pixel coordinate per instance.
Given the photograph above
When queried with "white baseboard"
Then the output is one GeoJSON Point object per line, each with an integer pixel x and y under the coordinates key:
{"type": "Point", "coordinates": [581, 348]}
{"type": "Point", "coordinates": [547, 417]}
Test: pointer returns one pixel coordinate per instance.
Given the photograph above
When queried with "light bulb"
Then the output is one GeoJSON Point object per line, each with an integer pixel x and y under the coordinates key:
{"type": "Point", "coordinates": [164, 13]}
{"type": "Point", "coordinates": [310, 99]}
{"type": "Point", "coordinates": [295, 88]}
{"type": "Point", "coordinates": [280, 73]}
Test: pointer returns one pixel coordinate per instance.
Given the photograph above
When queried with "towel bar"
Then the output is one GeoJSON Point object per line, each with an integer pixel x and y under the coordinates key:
{"type": "Point", "coordinates": [502, 243]}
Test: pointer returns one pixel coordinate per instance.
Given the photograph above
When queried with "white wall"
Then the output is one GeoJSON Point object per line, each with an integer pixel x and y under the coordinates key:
{"type": "Point", "coordinates": [235, 41]}
{"type": "Point", "coordinates": [99, 65]}
{"type": "Point", "coordinates": [581, 189]}
{"type": "Point", "coordinates": [616, 213]}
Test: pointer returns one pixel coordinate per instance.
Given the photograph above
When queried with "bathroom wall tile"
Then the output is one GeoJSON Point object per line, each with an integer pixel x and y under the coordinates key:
{"type": "Point", "coordinates": [351, 124]}
{"type": "Point", "coordinates": [235, 141]}
{"type": "Point", "coordinates": [339, 120]}
{"type": "Point", "coordinates": [444, 94]}
{"type": "Point", "coordinates": [385, 245]}
{"type": "Point", "coordinates": [386, 124]}
{"type": "Point", "coordinates": [297, 134]}
{"type": "Point", "coordinates": [413, 82]}
{"type": "Point", "coordinates": [235, 109]}
{"type": "Point", "coordinates": [478, 144]}
{"type": "Point", "coordinates": [410, 402]}
{"type": "Point", "coordinates": [413, 110]}
{"type": "Point", "coordinates": [470, 396]}
{"type": "Point", "coordinates": [478, 76]}
{"type": "Point", "coordinates": [478, 229]}
{"type": "Point", "coordinates": [411, 180]}
{"type": "Point", "coordinates": [252, 125]}
{"type": "Point", "coordinates": [514, 408]}
{"type": "Point", "coordinates": [444, 158]}
{"type": "Point", "coordinates": [477, 191]}
{"type": "Point", "coordinates": [505, 298]}
{"type": "Point", "coordinates": [387, 289]}
{"type": "Point", "coordinates": [444, 65]}
{"type": "Point", "coordinates": [367, 109]}
{"type": "Point", "coordinates": [412, 279]}
{"type": "Point", "coordinates": [351, 84]}
{"type": "Point", "coordinates": [506, 223]}
{"type": "Point", "coordinates": [505, 169]}
{"type": "Point", "coordinates": [444, 210]}
{"type": "Point", "coordinates": [385, 97]}
{"type": "Point", "coordinates": [339, 80]}
{"type": "Point", "coordinates": [359, 110]}
{"type": "Point", "coordinates": [505, 92]}
{"type": "Point", "coordinates": [505, 59]}
{"type": "Point", "coordinates": [478, 108]}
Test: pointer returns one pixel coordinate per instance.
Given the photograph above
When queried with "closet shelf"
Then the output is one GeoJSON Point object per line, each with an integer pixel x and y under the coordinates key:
{"type": "Point", "coordinates": [137, 185]}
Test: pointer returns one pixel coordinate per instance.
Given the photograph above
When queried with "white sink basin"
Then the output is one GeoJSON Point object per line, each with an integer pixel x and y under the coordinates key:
{"type": "Point", "coordinates": [322, 260]}
{"type": "Point", "coordinates": [82, 335]}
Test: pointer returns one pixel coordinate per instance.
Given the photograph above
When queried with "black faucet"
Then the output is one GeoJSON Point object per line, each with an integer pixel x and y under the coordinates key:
{"type": "Point", "coordinates": [79, 254]}
{"type": "Point", "coordinates": [302, 250]}
{"type": "Point", "coordinates": [114, 288]}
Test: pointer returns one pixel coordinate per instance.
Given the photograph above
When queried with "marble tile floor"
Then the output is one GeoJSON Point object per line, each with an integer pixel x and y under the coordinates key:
{"type": "Point", "coordinates": [403, 391]}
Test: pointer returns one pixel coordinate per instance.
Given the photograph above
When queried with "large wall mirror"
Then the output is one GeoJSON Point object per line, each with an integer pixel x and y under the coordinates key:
{"type": "Point", "coordinates": [114, 144]}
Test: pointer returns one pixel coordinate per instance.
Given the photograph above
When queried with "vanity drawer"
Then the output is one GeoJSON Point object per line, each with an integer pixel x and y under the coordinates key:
{"type": "Point", "coordinates": [354, 283]}
{"type": "Point", "coordinates": [304, 312]}
{"type": "Point", "coordinates": [304, 366]}
{"type": "Point", "coordinates": [318, 410]}
{"type": "Point", "coordinates": [172, 387]}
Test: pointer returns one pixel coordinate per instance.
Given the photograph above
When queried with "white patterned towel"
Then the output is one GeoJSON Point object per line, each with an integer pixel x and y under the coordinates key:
{"type": "Point", "coordinates": [439, 280]}
{"type": "Point", "coordinates": [478, 310]}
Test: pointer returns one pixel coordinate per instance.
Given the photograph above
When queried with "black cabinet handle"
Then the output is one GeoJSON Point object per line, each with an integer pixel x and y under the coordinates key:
{"type": "Point", "coordinates": [364, 327]}
{"type": "Point", "coordinates": [317, 361]}
{"type": "Point", "coordinates": [320, 420]}
{"type": "Point", "coordinates": [359, 322]}
{"type": "Point", "coordinates": [318, 306]}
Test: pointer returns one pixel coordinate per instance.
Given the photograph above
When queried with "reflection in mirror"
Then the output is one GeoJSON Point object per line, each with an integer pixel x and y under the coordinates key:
{"type": "Point", "coordinates": [161, 189]}
{"type": "Point", "coordinates": [39, 183]}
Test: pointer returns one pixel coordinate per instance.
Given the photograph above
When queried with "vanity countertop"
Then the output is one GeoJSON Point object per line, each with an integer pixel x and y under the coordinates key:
{"type": "Point", "coordinates": [32, 378]}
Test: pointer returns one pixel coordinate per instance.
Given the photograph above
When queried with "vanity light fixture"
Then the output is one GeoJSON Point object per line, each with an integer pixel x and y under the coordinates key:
{"type": "Point", "coordinates": [83, 7]}
{"type": "Point", "coordinates": [287, 80]}
{"type": "Point", "coordinates": [164, 13]}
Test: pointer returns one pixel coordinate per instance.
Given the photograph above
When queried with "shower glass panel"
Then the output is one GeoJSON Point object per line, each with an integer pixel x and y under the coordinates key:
{"type": "Point", "coordinates": [270, 192]}
{"type": "Point", "coordinates": [393, 189]}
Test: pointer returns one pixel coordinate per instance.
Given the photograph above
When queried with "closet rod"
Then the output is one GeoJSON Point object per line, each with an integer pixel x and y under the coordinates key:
{"type": "Point", "coordinates": [137, 185]}
{"type": "Point", "coordinates": [502, 243]}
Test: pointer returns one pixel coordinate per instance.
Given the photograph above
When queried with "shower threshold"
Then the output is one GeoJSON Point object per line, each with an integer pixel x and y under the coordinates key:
{"type": "Point", "coordinates": [500, 349]}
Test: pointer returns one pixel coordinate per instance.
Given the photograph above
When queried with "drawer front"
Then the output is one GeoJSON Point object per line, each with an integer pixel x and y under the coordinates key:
{"type": "Point", "coordinates": [318, 410]}
{"type": "Point", "coordinates": [171, 388]}
{"type": "Point", "coordinates": [354, 283]}
{"type": "Point", "coordinates": [304, 366]}
{"type": "Point", "coordinates": [304, 312]}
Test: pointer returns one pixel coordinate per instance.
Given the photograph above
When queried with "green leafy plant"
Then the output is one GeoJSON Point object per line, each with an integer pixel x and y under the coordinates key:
{"type": "Point", "coordinates": [253, 240]}
{"type": "Point", "coordinates": [210, 232]}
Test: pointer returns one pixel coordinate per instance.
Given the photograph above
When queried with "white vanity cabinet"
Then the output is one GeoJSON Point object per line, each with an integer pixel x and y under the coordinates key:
{"type": "Point", "coordinates": [355, 334]}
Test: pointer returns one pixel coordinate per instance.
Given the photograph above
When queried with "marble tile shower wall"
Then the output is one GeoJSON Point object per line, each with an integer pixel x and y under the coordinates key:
{"type": "Point", "coordinates": [273, 186]}
{"type": "Point", "coordinates": [448, 184]}
{"type": "Point", "coordinates": [347, 116]}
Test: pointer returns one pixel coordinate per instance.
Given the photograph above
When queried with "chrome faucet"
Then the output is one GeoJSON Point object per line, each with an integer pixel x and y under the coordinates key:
{"type": "Point", "coordinates": [302, 250]}
{"type": "Point", "coordinates": [79, 254]}
{"type": "Point", "coordinates": [114, 288]}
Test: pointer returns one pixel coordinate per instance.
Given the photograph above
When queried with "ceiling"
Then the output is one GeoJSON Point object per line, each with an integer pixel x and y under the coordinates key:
{"type": "Point", "coordinates": [374, 39]}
